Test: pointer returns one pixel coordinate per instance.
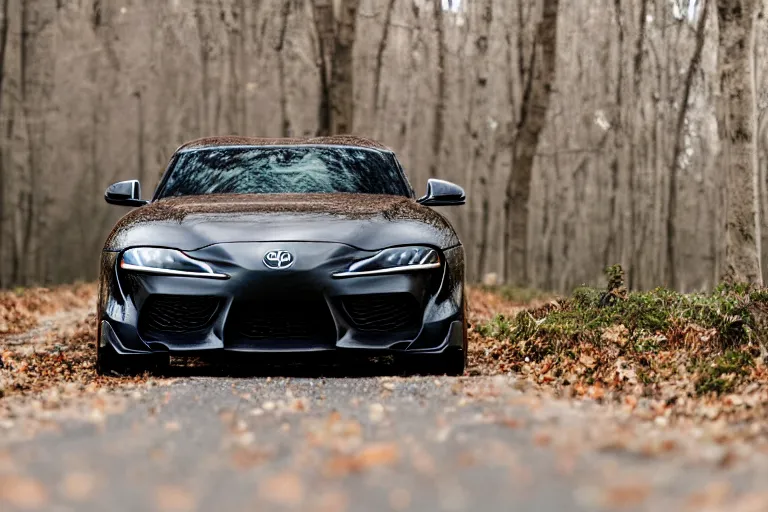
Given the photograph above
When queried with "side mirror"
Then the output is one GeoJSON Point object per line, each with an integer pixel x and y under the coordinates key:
{"type": "Point", "coordinates": [443, 193]}
{"type": "Point", "coordinates": [125, 193]}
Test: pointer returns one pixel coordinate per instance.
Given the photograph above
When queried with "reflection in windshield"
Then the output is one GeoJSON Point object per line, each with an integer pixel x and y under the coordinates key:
{"type": "Point", "coordinates": [294, 169]}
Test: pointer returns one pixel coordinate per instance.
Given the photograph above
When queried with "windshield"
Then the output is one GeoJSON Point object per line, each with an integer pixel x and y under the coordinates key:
{"type": "Point", "coordinates": [285, 169]}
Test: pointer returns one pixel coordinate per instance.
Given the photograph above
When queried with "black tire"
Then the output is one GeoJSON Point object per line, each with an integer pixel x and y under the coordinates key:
{"type": "Point", "coordinates": [110, 363]}
{"type": "Point", "coordinates": [452, 363]}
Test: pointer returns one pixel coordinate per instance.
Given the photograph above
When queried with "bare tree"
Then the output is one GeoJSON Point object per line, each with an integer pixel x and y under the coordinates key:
{"type": "Point", "coordinates": [678, 148]}
{"type": "Point", "coordinates": [285, 13]}
{"type": "Point", "coordinates": [536, 99]}
{"type": "Point", "coordinates": [336, 36]}
{"type": "Point", "coordinates": [380, 55]}
{"type": "Point", "coordinates": [482, 155]}
{"type": "Point", "coordinates": [4, 24]}
{"type": "Point", "coordinates": [737, 131]}
{"type": "Point", "coordinates": [616, 173]}
{"type": "Point", "coordinates": [205, 122]}
{"type": "Point", "coordinates": [37, 17]}
{"type": "Point", "coordinates": [438, 131]}
{"type": "Point", "coordinates": [325, 25]}
{"type": "Point", "coordinates": [343, 71]}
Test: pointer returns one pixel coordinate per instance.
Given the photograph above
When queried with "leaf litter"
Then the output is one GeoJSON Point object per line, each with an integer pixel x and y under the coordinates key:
{"type": "Point", "coordinates": [47, 360]}
{"type": "Point", "coordinates": [660, 356]}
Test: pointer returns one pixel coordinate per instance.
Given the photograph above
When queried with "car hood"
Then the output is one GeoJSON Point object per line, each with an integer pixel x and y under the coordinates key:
{"type": "Point", "coordinates": [365, 221]}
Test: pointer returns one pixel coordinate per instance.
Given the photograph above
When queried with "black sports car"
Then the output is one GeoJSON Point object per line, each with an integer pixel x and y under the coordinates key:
{"type": "Point", "coordinates": [283, 246]}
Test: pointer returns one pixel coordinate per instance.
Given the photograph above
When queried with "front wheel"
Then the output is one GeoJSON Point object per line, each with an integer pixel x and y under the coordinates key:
{"type": "Point", "coordinates": [452, 363]}
{"type": "Point", "coordinates": [110, 363]}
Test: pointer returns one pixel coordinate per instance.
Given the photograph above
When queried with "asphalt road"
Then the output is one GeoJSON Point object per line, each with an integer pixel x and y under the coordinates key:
{"type": "Point", "coordinates": [365, 443]}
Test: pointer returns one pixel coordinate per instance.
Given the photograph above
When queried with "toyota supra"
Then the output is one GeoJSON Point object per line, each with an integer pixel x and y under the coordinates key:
{"type": "Point", "coordinates": [283, 246]}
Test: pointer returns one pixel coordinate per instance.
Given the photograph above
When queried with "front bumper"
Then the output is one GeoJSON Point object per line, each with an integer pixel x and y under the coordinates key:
{"type": "Point", "coordinates": [299, 309]}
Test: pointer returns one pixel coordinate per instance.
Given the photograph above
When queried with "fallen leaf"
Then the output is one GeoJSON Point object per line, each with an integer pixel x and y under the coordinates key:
{"type": "Point", "coordinates": [78, 486]}
{"type": "Point", "coordinates": [375, 412]}
{"type": "Point", "coordinates": [173, 498]}
{"type": "Point", "coordinates": [422, 461]}
{"type": "Point", "coordinates": [625, 496]}
{"type": "Point", "coordinates": [6, 461]}
{"type": "Point", "coordinates": [284, 489]}
{"type": "Point", "coordinates": [511, 422]}
{"type": "Point", "coordinates": [382, 454]}
{"type": "Point", "coordinates": [331, 501]}
{"type": "Point", "coordinates": [542, 439]}
{"type": "Point", "coordinates": [246, 458]}
{"type": "Point", "coordinates": [713, 495]}
{"type": "Point", "coordinates": [587, 360]}
{"type": "Point", "coordinates": [22, 492]}
{"type": "Point", "coordinates": [399, 499]}
{"type": "Point", "coordinates": [172, 426]}
{"type": "Point", "coordinates": [752, 502]}
{"type": "Point", "coordinates": [467, 459]}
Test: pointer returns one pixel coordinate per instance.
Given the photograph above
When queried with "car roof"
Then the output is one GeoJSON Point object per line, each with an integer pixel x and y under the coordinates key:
{"type": "Point", "coordinates": [335, 140]}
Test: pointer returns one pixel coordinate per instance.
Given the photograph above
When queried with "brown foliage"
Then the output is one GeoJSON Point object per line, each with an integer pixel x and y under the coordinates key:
{"type": "Point", "coordinates": [684, 373]}
{"type": "Point", "coordinates": [20, 310]}
{"type": "Point", "coordinates": [61, 356]}
{"type": "Point", "coordinates": [67, 359]}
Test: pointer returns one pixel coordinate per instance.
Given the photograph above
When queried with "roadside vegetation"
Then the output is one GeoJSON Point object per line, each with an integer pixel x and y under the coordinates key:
{"type": "Point", "coordinates": [675, 351]}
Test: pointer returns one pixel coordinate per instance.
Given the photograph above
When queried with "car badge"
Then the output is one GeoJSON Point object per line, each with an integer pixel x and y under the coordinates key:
{"type": "Point", "coordinates": [278, 260]}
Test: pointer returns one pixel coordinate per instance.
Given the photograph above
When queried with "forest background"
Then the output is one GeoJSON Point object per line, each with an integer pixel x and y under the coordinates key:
{"type": "Point", "coordinates": [585, 132]}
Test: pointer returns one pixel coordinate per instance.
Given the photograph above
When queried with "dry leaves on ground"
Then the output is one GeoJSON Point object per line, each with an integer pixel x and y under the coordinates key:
{"type": "Point", "coordinates": [374, 455]}
{"type": "Point", "coordinates": [66, 362]}
{"type": "Point", "coordinates": [20, 310]}
{"type": "Point", "coordinates": [681, 372]}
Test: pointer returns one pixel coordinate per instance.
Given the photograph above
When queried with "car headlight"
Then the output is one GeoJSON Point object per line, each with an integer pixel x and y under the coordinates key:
{"type": "Point", "coordinates": [156, 260]}
{"type": "Point", "coordinates": [394, 260]}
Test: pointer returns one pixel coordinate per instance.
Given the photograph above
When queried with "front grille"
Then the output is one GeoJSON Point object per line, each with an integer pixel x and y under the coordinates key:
{"type": "Point", "coordinates": [177, 314]}
{"type": "Point", "coordinates": [281, 320]}
{"type": "Point", "coordinates": [382, 312]}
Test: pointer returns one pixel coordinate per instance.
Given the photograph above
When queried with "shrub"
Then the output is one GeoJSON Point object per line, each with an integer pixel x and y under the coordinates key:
{"type": "Point", "coordinates": [720, 333]}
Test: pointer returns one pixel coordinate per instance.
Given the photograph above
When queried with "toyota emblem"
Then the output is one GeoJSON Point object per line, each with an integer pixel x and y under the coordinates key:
{"type": "Point", "coordinates": [278, 260]}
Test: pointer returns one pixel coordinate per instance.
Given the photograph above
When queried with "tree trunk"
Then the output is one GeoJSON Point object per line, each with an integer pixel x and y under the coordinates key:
{"type": "Point", "coordinates": [324, 24]}
{"type": "Point", "coordinates": [37, 44]}
{"type": "Point", "coordinates": [380, 56]}
{"type": "Point", "coordinates": [441, 100]}
{"type": "Point", "coordinates": [536, 100]}
{"type": "Point", "coordinates": [336, 37]}
{"type": "Point", "coordinates": [479, 169]}
{"type": "Point", "coordinates": [677, 151]}
{"type": "Point", "coordinates": [141, 167]}
{"type": "Point", "coordinates": [408, 125]}
{"type": "Point", "coordinates": [243, 66]}
{"type": "Point", "coordinates": [203, 33]}
{"type": "Point", "coordinates": [4, 23]}
{"type": "Point", "coordinates": [342, 70]}
{"type": "Point", "coordinates": [737, 134]}
{"type": "Point", "coordinates": [285, 121]}
{"type": "Point", "coordinates": [612, 250]}
{"type": "Point", "coordinates": [232, 16]}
